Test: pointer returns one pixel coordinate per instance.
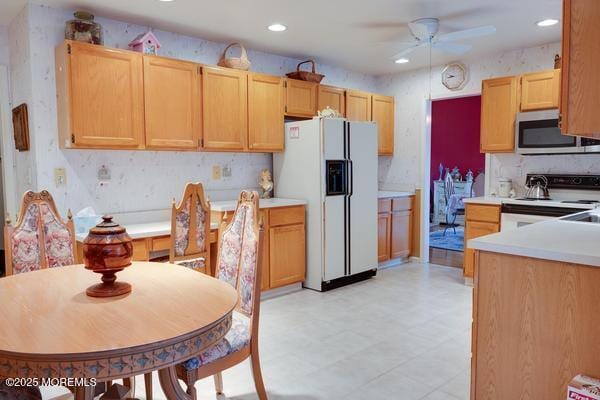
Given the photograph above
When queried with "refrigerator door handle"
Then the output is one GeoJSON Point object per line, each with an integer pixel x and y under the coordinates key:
{"type": "Point", "coordinates": [351, 178]}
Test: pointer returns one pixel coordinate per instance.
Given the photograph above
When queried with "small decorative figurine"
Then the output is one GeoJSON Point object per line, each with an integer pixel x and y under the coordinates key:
{"type": "Point", "coordinates": [145, 43]}
{"type": "Point", "coordinates": [470, 176]}
{"type": "Point", "coordinates": [441, 171]}
{"type": "Point", "coordinates": [456, 174]}
{"type": "Point", "coordinates": [84, 29]}
{"type": "Point", "coordinates": [329, 112]}
{"type": "Point", "coordinates": [266, 184]}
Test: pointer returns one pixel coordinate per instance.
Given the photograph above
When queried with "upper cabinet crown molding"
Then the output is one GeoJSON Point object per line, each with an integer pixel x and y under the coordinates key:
{"type": "Point", "coordinates": [100, 97]}
{"type": "Point", "coordinates": [580, 60]}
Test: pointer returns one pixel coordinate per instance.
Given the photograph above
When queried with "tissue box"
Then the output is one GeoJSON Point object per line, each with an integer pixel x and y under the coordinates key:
{"type": "Point", "coordinates": [583, 388]}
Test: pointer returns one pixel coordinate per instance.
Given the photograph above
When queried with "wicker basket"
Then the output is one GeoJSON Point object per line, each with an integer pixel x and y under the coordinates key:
{"type": "Point", "coordinates": [240, 62]}
{"type": "Point", "coordinates": [306, 75]}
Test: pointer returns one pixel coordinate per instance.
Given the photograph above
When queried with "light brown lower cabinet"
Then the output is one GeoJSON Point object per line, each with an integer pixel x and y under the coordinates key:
{"type": "Point", "coordinates": [394, 228]}
{"type": "Point", "coordinates": [480, 220]}
{"type": "Point", "coordinates": [284, 245]}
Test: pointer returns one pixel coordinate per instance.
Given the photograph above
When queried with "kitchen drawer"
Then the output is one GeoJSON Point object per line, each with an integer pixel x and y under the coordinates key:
{"type": "Point", "coordinates": [161, 243]}
{"type": "Point", "coordinates": [484, 213]}
{"type": "Point", "coordinates": [140, 250]}
{"type": "Point", "coordinates": [402, 204]}
{"type": "Point", "coordinates": [286, 216]}
{"type": "Point", "coordinates": [384, 205]}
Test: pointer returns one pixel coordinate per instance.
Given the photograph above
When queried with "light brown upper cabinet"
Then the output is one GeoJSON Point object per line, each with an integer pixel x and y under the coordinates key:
{"type": "Point", "coordinates": [540, 90]}
{"type": "Point", "coordinates": [580, 60]}
{"type": "Point", "coordinates": [100, 97]}
{"type": "Point", "coordinates": [224, 109]}
{"type": "Point", "coordinates": [265, 112]}
{"type": "Point", "coordinates": [499, 106]}
{"type": "Point", "coordinates": [172, 103]}
{"type": "Point", "coordinates": [358, 105]}
{"type": "Point", "coordinates": [300, 98]}
{"type": "Point", "coordinates": [383, 114]}
{"type": "Point", "coordinates": [332, 97]}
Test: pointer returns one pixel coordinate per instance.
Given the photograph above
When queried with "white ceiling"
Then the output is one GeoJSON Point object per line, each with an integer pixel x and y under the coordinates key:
{"type": "Point", "coordinates": [359, 35]}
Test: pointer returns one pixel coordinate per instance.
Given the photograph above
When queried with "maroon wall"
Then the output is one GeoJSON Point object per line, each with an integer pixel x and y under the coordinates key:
{"type": "Point", "coordinates": [455, 135]}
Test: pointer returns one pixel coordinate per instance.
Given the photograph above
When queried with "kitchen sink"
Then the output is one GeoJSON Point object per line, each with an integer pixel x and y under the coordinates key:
{"type": "Point", "coordinates": [587, 216]}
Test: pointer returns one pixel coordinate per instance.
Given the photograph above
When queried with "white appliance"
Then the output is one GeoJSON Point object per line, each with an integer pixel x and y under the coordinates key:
{"type": "Point", "coordinates": [332, 163]}
{"type": "Point", "coordinates": [569, 194]}
{"type": "Point", "coordinates": [538, 132]}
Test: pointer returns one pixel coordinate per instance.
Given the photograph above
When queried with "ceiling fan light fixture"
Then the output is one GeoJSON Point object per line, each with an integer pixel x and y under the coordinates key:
{"type": "Point", "coordinates": [402, 60]}
{"type": "Point", "coordinates": [277, 27]}
{"type": "Point", "coordinates": [547, 22]}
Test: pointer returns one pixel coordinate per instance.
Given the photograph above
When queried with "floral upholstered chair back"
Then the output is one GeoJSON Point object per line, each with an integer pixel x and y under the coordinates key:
{"type": "Point", "coordinates": [239, 261]}
{"type": "Point", "coordinates": [190, 228]}
{"type": "Point", "coordinates": [40, 238]}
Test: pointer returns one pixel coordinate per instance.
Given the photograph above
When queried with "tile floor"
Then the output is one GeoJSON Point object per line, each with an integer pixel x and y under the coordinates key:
{"type": "Point", "coordinates": [403, 335]}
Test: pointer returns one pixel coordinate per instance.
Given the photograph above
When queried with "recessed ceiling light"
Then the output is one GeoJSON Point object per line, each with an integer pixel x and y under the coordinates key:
{"type": "Point", "coordinates": [547, 22]}
{"type": "Point", "coordinates": [166, 1]}
{"type": "Point", "coordinates": [277, 28]}
{"type": "Point", "coordinates": [401, 61]}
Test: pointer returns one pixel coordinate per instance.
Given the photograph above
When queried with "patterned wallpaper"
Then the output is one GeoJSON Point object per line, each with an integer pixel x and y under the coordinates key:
{"type": "Point", "coordinates": [404, 169]}
{"type": "Point", "coordinates": [140, 180]}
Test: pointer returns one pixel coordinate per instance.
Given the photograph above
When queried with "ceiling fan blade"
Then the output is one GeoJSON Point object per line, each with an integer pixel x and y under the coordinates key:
{"type": "Point", "coordinates": [407, 51]}
{"type": "Point", "coordinates": [454, 48]}
{"type": "Point", "coordinates": [466, 34]}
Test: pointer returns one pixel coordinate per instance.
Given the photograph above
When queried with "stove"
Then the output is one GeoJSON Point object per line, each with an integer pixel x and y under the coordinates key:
{"type": "Point", "coordinates": [569, 193]}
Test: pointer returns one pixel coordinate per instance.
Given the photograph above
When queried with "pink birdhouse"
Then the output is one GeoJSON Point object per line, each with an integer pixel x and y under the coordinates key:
{"type": "Point", "coordinates": [145, 43]}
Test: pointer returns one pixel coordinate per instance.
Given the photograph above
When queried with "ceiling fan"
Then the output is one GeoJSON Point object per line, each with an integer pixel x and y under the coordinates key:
{"type": "Point", "coordinates": [425, 32]}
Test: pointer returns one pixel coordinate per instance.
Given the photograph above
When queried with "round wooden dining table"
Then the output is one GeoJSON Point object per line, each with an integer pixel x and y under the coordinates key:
{"type": "Point", "coordinates": [50, 328]}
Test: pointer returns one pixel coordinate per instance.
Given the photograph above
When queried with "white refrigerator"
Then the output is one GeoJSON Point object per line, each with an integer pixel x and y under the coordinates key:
{"type": "Point", "coordinates": [332, 164]}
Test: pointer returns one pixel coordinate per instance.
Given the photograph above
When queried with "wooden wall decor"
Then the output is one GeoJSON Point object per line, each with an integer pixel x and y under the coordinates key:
{"type": "Point", "coordinates": [20, 120]}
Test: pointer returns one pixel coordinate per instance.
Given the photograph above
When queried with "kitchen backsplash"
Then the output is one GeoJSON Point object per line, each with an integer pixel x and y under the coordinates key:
{"type": "Point", "coordinates": [139, 180]}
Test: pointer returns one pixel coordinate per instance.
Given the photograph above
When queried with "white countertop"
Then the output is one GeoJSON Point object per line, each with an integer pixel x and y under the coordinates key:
{"type": "Point", "coordinates": [158, 222]}
{"type": "Point", "coordinates": [554, 239]}
{"type": "Point", "coordinates": [384, 194]}
{"type": "Point", "coordinates": [229, 205]}
{"type": "Point", "coordinates": [484, 200]}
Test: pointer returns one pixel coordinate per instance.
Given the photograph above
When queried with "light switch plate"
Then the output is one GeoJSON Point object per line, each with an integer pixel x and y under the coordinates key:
{"type": "Point", "coordinates": [60, 176]}
{"type": "Point", "coordinates": [227, 171]}
{"type": "Point", "coordinates": [103, 173]}
{"type": "Point", "coordinates": [216, 172]}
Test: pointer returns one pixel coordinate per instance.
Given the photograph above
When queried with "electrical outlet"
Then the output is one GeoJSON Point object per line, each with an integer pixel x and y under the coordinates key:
{"type": "Point", "coordinates": [216, 172]}
{"type": "Point", "coordinates": [103, 173]}
{"type": "Point", "coordinates": [226, 171]}
{"type": "Point", "coordinates": [60, 176]}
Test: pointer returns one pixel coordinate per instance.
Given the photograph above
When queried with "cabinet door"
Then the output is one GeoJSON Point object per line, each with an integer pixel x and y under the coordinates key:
{"type": "Point", "coordinates": [265, 112]}
{"type": "Point", "coordinates": [474, 229]}
{"type": "Point", "coordinates": [540, 90]}
{"type": "Point", "coordinates": [332, 97]}
{"type": "Point", "coordinates": [224, 109]}
{"type": "Point", "coordinates": [580, 60]}
{"type": "Point", "coordinates": [265, 281]}
{"type": "Point", "coordinates": [499, 105]}
{"type": "Point", "coordinates": [287, 255]}
{"type": "Point", "coordinates": [383, 114]}
{"type": "Point", "coordinates": [383, 236]}
{"type": "Point", "coordinates": [401, 243]}
{"type": "Point", "coordinates": [106, 97]}
{"type": "Point", "coordinates": [358, 105]}
{"type": "Point", "coordinates": [300, 98]}
{"type": "Point", "coordinates": [172, 103]}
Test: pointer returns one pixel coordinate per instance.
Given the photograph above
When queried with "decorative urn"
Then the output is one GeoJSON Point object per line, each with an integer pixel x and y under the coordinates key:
{"type": "Point", "coordinates": [107, 250]}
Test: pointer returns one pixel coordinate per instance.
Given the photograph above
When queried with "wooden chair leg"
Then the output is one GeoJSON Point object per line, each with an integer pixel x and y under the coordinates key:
{"type": "Point", "coordinates": [257, 374]}
{"type": "Point", "coordinates": [218, 382]}
{"type": "Point", "coordinates": [148, 385]}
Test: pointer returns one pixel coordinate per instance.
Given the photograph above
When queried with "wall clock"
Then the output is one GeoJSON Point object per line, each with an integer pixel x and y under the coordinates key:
{"type": "Point", "coordinates": [454, 76]}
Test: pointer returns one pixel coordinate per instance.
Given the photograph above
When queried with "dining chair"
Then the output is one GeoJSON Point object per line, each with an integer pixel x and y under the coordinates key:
{"type": "Point", "coordinates": [452, 209]}
{"type": "Point", "coordinates": [190, 230]}
{"type": "Point", "coordinates": [238, 263]}
{"type": "Point", "coordinates": [40, 238]}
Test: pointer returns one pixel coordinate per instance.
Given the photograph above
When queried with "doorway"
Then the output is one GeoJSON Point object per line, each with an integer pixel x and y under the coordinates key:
{"type": "Point", "coordinates": [8, 196]}
{"type": "Point", "coordinates": [455, 164]}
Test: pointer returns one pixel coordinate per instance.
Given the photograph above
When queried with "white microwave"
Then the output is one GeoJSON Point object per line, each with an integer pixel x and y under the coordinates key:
{"type": "Point", "coordinates": [538, 132]}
